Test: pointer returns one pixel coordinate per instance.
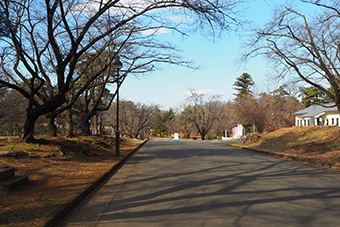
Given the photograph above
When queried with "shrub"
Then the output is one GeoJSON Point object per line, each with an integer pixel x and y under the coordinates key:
{"type": "Point", "coordinates": [211, 137]}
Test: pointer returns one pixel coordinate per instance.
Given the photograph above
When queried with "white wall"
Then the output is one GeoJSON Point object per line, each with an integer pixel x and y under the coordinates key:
{"type": "Point", "coordinates": [331, 119]}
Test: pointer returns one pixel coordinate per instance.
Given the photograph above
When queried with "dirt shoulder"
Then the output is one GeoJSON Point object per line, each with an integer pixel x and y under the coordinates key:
{"type": "Point", "coordinates": [59, 170]}
{"type": "Point", "coordinates": [318, 146]}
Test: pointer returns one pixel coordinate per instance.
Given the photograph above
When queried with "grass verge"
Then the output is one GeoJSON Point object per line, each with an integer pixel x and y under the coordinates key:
{"type": "Point", "coordinates": [316, 145]}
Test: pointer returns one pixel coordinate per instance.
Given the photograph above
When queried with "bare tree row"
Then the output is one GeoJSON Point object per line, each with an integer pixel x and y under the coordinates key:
{"type": "Point", "coordinates": [48, 47]}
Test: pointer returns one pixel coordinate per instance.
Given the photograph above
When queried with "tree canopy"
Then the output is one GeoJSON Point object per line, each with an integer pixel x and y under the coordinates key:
{"type": "Point", "coordinates": [205, 111]}
{"type": "Point", "coordinates": [243, 85]}
{"type": "Point", "coordinates": [47, 39]}
{"type": "Point", "coordinates": [303, 42]}
{"type": "Point", "coordinates": [313, 96]}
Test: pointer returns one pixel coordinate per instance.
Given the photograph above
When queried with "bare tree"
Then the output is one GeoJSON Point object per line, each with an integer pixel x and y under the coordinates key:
{"type": "Point", "coordinates": [96, 97]}
{"type": "Point", "coordinates": [307, 44]}
{"type": "Point", "coordinates": [141, 62]}
{"type": "Point", "coordinates": [224, 122]}
{"type": "Point", "coordinates": [134, 118]}
{"type": "Point", "coordinates": [185, 120]}
{"type": "Point", "coordinates": [47, 38]}
{"type": "Point", "coordinates": [266, 110]}
{"type": "Point", "coordinates": [205, 112]}
{"type": "Point", "coordinates": [283, 107]}
{"type": "Point", "coordinates": [12, 109]}
{"type": "Point", "coordinates": [255, 111]}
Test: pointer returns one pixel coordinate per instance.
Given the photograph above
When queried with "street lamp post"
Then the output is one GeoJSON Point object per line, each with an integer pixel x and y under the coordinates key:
{"type": "Point", "coordinates": [117, 65]}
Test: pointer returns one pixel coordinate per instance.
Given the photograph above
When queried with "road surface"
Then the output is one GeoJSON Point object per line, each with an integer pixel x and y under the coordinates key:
{"type": "Point", "coordinates": [204, 183]}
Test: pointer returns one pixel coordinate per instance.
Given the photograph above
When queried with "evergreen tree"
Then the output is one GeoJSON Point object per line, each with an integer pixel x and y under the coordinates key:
{"type": "Point", "coordinates": [168, 115]}
{"type": "Point", "coordinates": [160, 125]}
{"type": "Point", "coordinates": [313, 96]}
{"type": "Point", "coordinates": [243, 85]}
{"type": "Point", "coordinates": [279, 94]}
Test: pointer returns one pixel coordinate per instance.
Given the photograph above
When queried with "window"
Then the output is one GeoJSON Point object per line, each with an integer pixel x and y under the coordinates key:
{"type": "Point", "coordinates": [332, 121]}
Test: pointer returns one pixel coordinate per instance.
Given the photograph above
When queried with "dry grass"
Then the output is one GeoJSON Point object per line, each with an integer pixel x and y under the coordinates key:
{"type": "Point", "coordinates": [58, 172]}
{"type": "Point", "coordinates": [321, 144]}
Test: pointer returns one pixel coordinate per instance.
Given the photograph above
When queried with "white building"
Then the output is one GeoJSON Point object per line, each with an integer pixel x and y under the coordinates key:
{"type": "Point", "coordinates": [238, 132]}
{"type": "Point", "coordinates": [327, 115]}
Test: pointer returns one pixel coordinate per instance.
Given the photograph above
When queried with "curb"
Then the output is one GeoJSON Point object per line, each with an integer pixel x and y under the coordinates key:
{"type": "Point", "coordinates": [292, 158]}
{"type": "Point", "coordinates": [62, 212]}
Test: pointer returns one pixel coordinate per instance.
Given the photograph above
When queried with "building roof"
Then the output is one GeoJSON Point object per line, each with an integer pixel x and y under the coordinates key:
{"type": "Point", "coordinates": [317, 110]}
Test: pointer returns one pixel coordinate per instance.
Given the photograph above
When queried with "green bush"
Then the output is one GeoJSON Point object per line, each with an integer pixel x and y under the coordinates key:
{"type": "Point", "coordinates": [211, 137]}
{"type": "Point", "coordinates": [8, 130]}
{"type": "Point", "coordinates": [40, 131]}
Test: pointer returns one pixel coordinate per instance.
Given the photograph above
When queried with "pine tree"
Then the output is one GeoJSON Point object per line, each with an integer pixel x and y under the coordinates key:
{"type": "Point", "coordinates": [313, 96]}
{"type": "Point", "coordinates": [243, 85]}
{"type": "Point", "coordinates": [279, 94]}
{"type": "Point", "coordinates": [160, 125]}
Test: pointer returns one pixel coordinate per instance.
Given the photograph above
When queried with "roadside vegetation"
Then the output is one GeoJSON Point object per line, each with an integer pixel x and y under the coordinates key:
{"type": "Point", "coordinates": [318, 145]}
{"type": "Point", "coordinates": [59, 170]}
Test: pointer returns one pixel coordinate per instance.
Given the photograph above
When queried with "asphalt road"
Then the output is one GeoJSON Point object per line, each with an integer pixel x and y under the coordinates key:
{"type": "Point", "coordinates": [203, 183]}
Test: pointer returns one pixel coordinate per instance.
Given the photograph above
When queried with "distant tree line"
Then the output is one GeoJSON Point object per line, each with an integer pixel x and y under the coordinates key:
{"type": "Point", "coordinates": [204, 116]}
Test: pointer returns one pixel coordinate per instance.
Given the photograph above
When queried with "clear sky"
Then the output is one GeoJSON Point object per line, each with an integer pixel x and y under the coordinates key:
{"type": "Point", "coordinates": [218, 72]}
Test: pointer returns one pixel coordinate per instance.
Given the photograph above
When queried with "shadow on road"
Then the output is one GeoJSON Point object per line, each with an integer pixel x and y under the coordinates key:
{"type": "Point", "coordinates": [199, 182]}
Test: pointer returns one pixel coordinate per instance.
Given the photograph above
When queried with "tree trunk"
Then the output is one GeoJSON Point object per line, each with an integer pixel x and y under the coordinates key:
{"type": "Point", "coordinates": [51, 126]}
{"type": "Point", "coordinates": [100, 117]}
{"type": "Point", "coordinates": [28, 129]}
{"type": "Point", "coordinates": [69, 124]}
{"type": "Point", "coordinates": [15, 129]}
{"type": "Point", "coordinates": [95, 124]}
{"type": "Point", "coordinates": [32, 114]}
{"type": "Point", "coordinates": [203, 135]}
{"type": "Point", "coordinates": [85, 126]}
{"type": "Point", "coordinates": [188, 134]}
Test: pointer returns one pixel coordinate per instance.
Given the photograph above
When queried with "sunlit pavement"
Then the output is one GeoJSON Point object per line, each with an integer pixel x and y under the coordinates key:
{"type": "Point", "coordinates": [205, 183]}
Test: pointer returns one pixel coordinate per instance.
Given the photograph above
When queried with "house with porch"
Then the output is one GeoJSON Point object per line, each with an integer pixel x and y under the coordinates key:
{"type": "Point", "coordinates": [316, 115]}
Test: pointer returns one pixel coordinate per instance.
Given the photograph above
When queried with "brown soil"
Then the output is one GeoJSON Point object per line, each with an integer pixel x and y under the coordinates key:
{"type": "Point", "coordinates": [58, 170]}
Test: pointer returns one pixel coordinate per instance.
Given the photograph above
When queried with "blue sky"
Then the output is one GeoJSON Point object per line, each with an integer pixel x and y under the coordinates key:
{"type": "Point", "coordinates": [218, 72]}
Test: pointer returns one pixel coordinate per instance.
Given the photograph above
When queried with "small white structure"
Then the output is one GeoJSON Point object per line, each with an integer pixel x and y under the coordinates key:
{"type": "Point", "coordinates": [176, 137]}
{"type": "Point", "coordinates": [238, 132]}
{"type": "Point", "coordinates": [226, 136]}
{"type": "Point", "coordinates": [327, 115]}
